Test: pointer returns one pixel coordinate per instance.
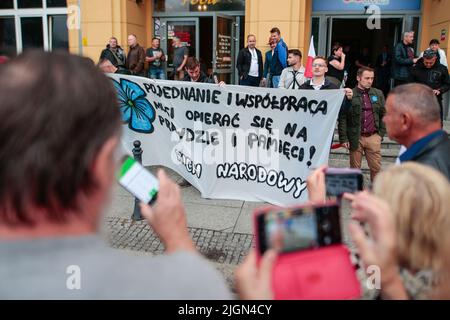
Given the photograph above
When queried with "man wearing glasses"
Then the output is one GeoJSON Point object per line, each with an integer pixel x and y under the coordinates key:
{"type": "Point", "coordinates": [319, 82]}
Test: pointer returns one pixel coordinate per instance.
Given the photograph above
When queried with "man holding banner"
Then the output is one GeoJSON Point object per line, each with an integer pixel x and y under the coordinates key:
{"type": "Point", "coordinates": [231, 142]}
{"type": "Point", "coordinates": [319, 81]}
{"type": "Point", "coordinates": [193, 72]}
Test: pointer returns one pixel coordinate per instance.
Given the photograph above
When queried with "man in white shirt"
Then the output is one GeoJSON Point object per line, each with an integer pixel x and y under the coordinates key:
{"type": "Point", "coordinates": [250, 64]}
{"type": "Point", "coordinates": [293, 76]}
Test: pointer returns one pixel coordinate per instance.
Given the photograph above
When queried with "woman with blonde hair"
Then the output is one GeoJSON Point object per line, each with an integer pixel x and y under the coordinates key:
{"type": "Point", "coordinates": [408, 216]}
{"type": "Point", "coordinates": [419, 198]}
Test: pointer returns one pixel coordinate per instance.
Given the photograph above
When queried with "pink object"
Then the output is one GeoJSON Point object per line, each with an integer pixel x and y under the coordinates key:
{"type": "Point", "coordinates": [3, 59]}
{"type": "Point", "coordinates": [326, 273]}
{"type": "Point", "coordinates": [311, 56]}
{"type": "Point", "coordinates": [322, 274]}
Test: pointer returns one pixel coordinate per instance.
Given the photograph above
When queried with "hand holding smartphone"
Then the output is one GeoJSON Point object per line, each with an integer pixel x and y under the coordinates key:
{"type": "Point", "coordinates": [167, 217]}
{"type": "Point", "coordinates": [312, 262]}
{"type": "Point", "coordinates": [301, 228]}
{"type": "Point", "coordinates": [138, 181]}
{"type": "Point", "coordinates": [339, 181]}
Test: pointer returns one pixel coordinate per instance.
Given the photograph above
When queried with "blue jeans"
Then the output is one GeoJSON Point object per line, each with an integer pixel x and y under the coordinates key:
{"type": "Point", "coordinates": [154, 73]}
{"type": "Point", "coordinates": [275, 81]}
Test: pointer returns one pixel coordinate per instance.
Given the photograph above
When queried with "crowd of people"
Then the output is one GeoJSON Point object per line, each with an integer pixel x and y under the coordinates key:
{"type": "Point", "coordinates": [59, 156]}
{"type": "Point", "coordinates": [283, 67]}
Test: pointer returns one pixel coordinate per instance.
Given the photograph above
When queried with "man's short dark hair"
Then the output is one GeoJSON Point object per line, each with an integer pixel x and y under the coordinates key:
{"type": "Point", "coordinates": [295, 52]}
{"type": "Point", "coordinates": [429, 54]}
{"type": "Point", "coordinates": [363, 69]}
{"type": "Point", "coordinates": [434, 41]}
{"type": "Point", "coordinates": [55, 115]}
{"type": "Point", "coordinates": [155, 38]}
{"type": "Point", "coordinates": [275, 30]}
{"type": "Point", "coordinates": [192, 63]}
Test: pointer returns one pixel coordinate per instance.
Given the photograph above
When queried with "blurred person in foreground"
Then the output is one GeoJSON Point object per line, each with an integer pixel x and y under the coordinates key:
{"type": "Point", "coordinates": [413, 120]}
{"type": "Point", "coordinates": [407, 216]}
{"type": "Point", "coordinates": [60, 132]}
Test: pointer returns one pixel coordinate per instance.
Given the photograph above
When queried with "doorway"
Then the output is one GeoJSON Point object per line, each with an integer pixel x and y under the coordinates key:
{"type": "Point", "coordinates": [363, 44]}
{"type": "Point", "coordinates": [212, 39]}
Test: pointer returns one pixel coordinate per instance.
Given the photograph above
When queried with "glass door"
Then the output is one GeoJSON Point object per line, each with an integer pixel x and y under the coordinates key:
{"type": "Point", "coordinates": [224, 47]}
{"type": "Point", "coordinates": [58, 32]}
{"type": "Point", "coordinates": [187, 30]}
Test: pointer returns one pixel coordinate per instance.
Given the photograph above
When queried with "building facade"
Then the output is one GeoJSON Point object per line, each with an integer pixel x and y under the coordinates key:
{"type": "Point", "coordinates": [214, 30]}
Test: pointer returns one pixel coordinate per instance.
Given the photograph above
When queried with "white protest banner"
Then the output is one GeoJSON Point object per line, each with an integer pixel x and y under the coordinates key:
{"type": "Point", "coordinates": [231, 142]}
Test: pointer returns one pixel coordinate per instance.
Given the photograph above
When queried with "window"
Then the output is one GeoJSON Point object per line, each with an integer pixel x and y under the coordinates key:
{"type": "Point", "coordinates": [33, 24]}
{"type": "Point", "coordinates": [6, 4]}
{"type": "Point", "coordinates": [7, 34]}
{"type": "Point", "coordinates": [56, 3]}
{"type": "Point", "coordinates": [32, 35]}
{"type": "Point", "coordinates": [26, 4]}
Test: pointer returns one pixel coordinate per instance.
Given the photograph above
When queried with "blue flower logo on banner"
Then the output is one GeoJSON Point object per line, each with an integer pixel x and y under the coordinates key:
{"type": "Point", "coordinates": [135, 108]}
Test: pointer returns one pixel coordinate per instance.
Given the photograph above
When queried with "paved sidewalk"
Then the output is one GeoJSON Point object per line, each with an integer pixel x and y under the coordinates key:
{"type": "Point", "coordinates": [221, 229]}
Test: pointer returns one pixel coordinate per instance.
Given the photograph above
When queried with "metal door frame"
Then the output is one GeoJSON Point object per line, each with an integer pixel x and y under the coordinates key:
{"type": "Point", "coordinates": [164, 33]}
{"type": "Point", "coordinates": [234, 35]}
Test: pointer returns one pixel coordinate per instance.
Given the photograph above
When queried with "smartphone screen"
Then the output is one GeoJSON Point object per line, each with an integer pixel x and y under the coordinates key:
{"type": "Point", "coordinates": [138, 180]}
{"type": "Point", "coordinates": [289, 230]}
{"type": "Point", "coordinates": [340, 181]}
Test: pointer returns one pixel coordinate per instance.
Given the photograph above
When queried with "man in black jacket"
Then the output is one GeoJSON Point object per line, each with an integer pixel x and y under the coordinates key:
{"type": "Point", "coordinates": [114, 53]}
{"type": "Point", "coordinates": [320, 82]}
{"type": "Point", "coordinates": [430, 72]}
{"type": "Point", "coordinates": [403, 59]}
{"type": "Point", "coordinates": [250, 64]}
{"type": "Point", "coordinates": [412, 119]}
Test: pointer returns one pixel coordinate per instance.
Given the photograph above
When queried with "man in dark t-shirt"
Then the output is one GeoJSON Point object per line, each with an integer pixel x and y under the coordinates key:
{"type": "Point", "coordinates": [155, 58]}
{"type": "Point", "coordinates": [180, 56]}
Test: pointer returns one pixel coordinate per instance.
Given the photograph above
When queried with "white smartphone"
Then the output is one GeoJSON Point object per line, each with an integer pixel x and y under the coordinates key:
{"type": "Point", "coordinates": [138, 181]}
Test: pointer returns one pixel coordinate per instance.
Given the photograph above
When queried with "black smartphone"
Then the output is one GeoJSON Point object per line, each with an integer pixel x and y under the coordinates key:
{"type": "Point", "coordinates": [301, 228]}
{"type": "Point", "coordinates": [339, 181]}
{"type": "Point", "coordinates": [138, 181]}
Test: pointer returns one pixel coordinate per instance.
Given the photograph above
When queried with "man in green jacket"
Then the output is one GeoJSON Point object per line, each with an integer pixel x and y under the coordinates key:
{"type": "Point", "coordinates": [361, 127]}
